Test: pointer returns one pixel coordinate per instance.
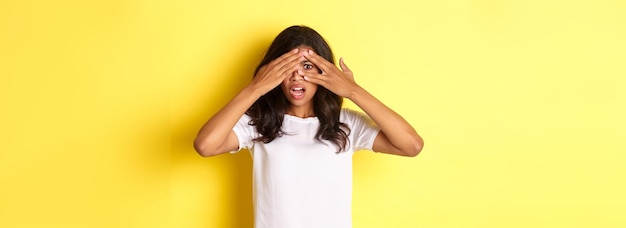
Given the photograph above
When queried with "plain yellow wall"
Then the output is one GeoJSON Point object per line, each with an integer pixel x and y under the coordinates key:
{"type": "Point", "coordinates": [521, 104]}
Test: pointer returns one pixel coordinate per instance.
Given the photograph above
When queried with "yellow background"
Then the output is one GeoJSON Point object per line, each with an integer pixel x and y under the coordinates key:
{"type": "Point", "coordinates": [521, 105]}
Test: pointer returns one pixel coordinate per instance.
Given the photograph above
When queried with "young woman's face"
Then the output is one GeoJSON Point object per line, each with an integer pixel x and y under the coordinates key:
{"type": "Point", "coordinates": [298, 91]}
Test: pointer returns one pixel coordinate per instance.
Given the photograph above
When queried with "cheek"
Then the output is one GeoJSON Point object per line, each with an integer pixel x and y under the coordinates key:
{"type": "Point", "coordinates": [313, 88]}
{"type": "Point", "coordinates": [285, 81]}
{"type": "Point", "coordinates": [283, 87]}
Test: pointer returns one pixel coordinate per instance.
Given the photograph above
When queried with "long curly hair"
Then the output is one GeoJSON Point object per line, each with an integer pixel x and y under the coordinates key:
{"type": "Point", "coordinates": [268, 111]}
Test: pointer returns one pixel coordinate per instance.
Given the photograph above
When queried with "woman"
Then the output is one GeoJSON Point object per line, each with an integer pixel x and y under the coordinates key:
{"type": "Point", "coordinates": [301, 140]}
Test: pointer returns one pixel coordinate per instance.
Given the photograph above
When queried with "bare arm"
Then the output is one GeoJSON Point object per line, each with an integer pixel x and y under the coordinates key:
{"type": "Point", "coordinates": [396, 136]}
{"type": "Point", "coordinates": [216, 135]}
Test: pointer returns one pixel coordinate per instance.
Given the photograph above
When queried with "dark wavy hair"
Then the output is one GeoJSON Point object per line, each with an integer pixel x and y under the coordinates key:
{"type": "Point", "coordinates": [268, 111]}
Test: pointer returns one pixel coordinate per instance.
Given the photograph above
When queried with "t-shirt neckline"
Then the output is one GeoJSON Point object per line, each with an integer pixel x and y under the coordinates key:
{"type": "Point", "coordinates": [307, 119]}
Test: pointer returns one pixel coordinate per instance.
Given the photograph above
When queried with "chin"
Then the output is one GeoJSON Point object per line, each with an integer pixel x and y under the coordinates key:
{"type": "Point", "coordinates": [298, 103]}
{"type": "Point", "coordinates": [301, 102]}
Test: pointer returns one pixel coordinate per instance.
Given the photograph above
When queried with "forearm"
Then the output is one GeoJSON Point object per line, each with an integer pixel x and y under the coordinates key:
{"type": "Point", "coordinates": [215, 131]}
{"type": "Point", "coordinates": [398, 131]}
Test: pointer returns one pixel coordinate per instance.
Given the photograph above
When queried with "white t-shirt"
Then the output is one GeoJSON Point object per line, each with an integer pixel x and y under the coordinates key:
{"type": "Point", "coordinates": [300, 182]}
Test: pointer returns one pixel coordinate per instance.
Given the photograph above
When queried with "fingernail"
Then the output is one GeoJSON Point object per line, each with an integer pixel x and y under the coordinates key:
{"type": "Point", "coordinates": [310, 51]}
{"type": "Point", "coordinates": [306, 78]}
{"type": "Point", "coordinates": [300, 72]}
{"type": "Point", "coordinates": [295, 50]}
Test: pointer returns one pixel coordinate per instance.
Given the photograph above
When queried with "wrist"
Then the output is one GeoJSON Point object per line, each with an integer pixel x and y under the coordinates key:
{"type": "Point", "coordinates": [252, 91]}
{"type": "Point", "coordinates": [356, 92]}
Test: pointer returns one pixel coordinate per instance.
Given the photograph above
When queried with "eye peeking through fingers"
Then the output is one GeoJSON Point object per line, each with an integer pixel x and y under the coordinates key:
{"type": "Point", "coordinates": [310, 67]}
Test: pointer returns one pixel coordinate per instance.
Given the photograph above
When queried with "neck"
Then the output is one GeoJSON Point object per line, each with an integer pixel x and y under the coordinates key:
{"type": "Point", "coordinates": [302, 112]}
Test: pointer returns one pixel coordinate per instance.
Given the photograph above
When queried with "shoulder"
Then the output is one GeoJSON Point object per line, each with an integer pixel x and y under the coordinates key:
{"type": "Point", "coordinates": [244, 122]}
{"type": "Point", "coordinates": [244, 127]}
{"type": "Point", "coordinates": [351, 116]}
{"type": "Point", "coordinates": [346, 114]}
{"type": "Point", "coordinates": [245, 118]}
{"type": "Point", "coordinates": [347, 111]}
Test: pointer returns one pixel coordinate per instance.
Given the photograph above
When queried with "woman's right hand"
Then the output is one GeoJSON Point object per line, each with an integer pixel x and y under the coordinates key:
{"type": "Point", "coordinates": [217, 136]}
{"type": "Point", "coordinates": [272, 74]}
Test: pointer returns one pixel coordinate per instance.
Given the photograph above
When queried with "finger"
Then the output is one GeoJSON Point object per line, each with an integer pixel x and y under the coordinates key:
{"type": "Point", "coordinates": [262, 68]}
{"type": "Point", "coordinates": [287, 55]}
{"type": "Point", "coordinates": [287, 64]}
{"type": "Point", "coordinates": [343, 66]}
{"type": "Point", "coordinates": [291, 66]}
{"type": "Point", "coordinates": [285, 58]}
{"type": "Point", "coordinates": [318, 61]}
{"type": "Point", "coordinates": [274, 66]}
{"type": "Point", "coordinates": [311, 74]}
{"type": "Point", "coordinates": [313, 78]}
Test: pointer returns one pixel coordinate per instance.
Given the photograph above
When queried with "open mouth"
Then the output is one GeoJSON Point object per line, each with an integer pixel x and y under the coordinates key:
{"type": "Point", "coordinates": [297, 92]}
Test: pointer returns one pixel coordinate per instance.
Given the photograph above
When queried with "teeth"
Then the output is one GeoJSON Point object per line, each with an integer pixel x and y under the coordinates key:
{"type": "Point", "coordinates": [298, 89]}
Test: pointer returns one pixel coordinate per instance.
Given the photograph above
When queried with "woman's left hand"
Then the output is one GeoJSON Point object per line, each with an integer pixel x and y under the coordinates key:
{"type": "Point", "coordinates": [340, 82]}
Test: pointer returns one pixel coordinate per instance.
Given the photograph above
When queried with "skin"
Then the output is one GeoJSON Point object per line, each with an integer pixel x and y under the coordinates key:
{"type": "Point", "coordinates": [301, 107]}
{"type": "Point", "coordinates": [395, 137]}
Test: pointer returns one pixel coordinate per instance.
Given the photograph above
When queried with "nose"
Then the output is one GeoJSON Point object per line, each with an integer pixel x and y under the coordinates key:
{"type": "Point", "coordinates": [296, 77]}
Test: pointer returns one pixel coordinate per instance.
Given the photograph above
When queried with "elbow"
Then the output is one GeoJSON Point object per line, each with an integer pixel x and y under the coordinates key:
{"type": "Point", "coordinates": [416, 147]}
{"type": "Point", "coordinates": [203, 149]}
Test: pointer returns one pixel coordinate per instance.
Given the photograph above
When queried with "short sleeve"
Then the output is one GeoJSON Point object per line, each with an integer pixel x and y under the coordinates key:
{"type": "Point", "coordinates": [363, 130]}
{"type": "Point", "coordinates": [245, 133]}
